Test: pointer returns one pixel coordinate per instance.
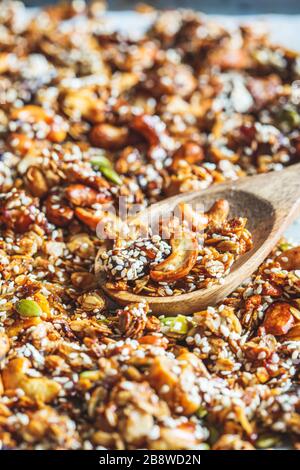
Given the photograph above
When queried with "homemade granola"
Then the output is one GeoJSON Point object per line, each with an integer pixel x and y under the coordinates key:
{"type": "Point", "coordinates": [87, 116]}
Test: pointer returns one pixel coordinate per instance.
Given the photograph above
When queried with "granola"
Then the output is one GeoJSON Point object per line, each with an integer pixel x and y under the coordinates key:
{"type": "Point", "coordinates": [87, 116]}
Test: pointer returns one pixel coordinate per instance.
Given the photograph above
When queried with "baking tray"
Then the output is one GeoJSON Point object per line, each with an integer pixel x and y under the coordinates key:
{"type": "Point", "coordinates": [283, 29]}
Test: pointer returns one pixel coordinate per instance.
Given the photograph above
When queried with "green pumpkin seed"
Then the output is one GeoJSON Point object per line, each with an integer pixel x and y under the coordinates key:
{"type": "Point", "coordinates": [290, 117]}
{"type": "Point", "coordinates": [90, 374]}
{"type": "Point", "coordinates": [101, 161]}
{"type": "Point", "coordinates": [111, 175]}
{"type": "Point", "coordinates": [213, 434]}
{"type": "Point", "coordinates": [285, 246]}
{"type": "Point", "coordinates": [267, 441]}
{"type": "Point", "coordinates": [201, 412]}
{"type": "Point", "coordinates": [28, 308]}
{"type": "Point", "coordinates": [177, 324]}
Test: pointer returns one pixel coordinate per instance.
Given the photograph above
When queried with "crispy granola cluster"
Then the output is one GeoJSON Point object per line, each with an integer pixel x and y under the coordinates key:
{"type": "Point", "coordinates": [192, 251]}
{"type": "Point", "coordinates": [86, 116]}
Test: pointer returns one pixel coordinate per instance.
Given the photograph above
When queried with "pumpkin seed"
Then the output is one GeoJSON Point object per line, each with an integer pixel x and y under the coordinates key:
{"type": "Point", "coordinates": [177, 324]}
{"type": "Point", "coordinates": [290, 117]}
{"type": "Point", "coordinates": [213, 434]}
{"type": "Point", "coordinates": [266, 441]}
{"type": "Point", "coordinates": [285, 246]}
{"type": "Point", "coordinates": [101, 162]}
{"type": "Point", "coordinates": [90, 374]}
{"type": "Point", "coordinates": [28, 308]}
{"type": "Point", "coordinates": [111, 175]}
{"type": "Point", "coordinates": [201, 412]}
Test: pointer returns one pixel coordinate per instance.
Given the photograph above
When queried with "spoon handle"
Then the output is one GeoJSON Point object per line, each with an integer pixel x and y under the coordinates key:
{"type": "Point", "coordinates": [281, 188]}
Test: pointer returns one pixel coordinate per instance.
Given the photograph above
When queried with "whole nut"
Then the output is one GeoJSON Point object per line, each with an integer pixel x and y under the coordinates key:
{"type": "Point", "coordinates": [109, 137]}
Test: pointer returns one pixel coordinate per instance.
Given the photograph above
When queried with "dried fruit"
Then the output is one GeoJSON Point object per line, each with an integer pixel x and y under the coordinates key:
{"type": "Point", "coordinates": [20, 143]}
{"type": "Point", "coordinates": [28, 308]}
{"type": "Point", "coordinates": [161, 374]}
{"type": "Point", "coordinates": [154, 340]}
{"type": "Point", "coordinates": [88, 378]}
{"type": "Point", "coordinates": [278, 319]}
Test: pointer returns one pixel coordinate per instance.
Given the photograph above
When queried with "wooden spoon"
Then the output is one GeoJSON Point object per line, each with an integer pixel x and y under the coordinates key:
{"type": "Point", "coordinates": [270, 202]}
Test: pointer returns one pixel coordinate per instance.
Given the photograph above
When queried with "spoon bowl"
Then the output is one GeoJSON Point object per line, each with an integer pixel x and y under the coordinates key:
{"type": "Point", "coordinates": [269, 201]}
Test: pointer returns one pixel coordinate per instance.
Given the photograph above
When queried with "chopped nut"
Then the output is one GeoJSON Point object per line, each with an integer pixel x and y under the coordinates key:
{"type": "Point", "coordinates": [293, 334]}
{"type": "Point", "coordinates": [278, 319]}
{"type": "Point", "coordinates": [91, 301]}
{"type": "Point", "coordinates": [36, 182]}
{"type": "Point", "coordinates": [58, 213]}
